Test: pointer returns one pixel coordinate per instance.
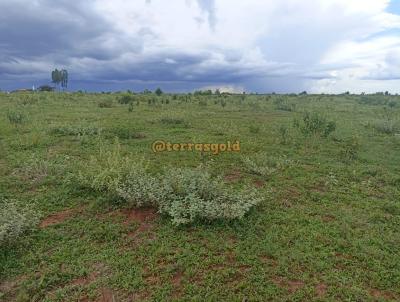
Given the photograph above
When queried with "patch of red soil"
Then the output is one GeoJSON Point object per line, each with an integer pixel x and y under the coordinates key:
{"type": "Point", "coordinates": [216, 267]}
{"type": "Point", "coordinates": [291, 285]}
{"type": "Point", "coordinates": [268, 260]}
{"type": "Point", "coordinates": [56, 218]}
{"type": "Point", "coordinates": [320, 289]}
{"type": "Point", "coordinates": [139, 215]}
{"type": "Point", "coordinates": [139, 297]}
{"type": "Point", "coordinates": [328, 218]}
{"type": "Point", "coordinates": [379, 294]}
{"type": "Point", "coordinates": [259, 183]}
{"type": "Point", "coordinates": [344, 256]}
{"type": "Point", "coordinates": [106, 296]}
{"type": "Point", "coordinates": [153, 279]}
{"type": "Point", "coordinates": [99, 269]}
{"type": "Point", "coordinates": [177, 284]}
{"type": "Point", "coordinates": [177, 278]}
{"type": "Point", "coordinates": [233, 176]}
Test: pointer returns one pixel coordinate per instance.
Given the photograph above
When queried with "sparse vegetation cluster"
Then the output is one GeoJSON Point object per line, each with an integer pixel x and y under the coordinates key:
{"type": "Point", "coordinates": [307, 211]}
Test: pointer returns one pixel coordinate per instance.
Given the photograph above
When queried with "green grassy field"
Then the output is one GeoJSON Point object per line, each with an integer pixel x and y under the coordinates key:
{"type": "Point", "coordinates": [327, 228]}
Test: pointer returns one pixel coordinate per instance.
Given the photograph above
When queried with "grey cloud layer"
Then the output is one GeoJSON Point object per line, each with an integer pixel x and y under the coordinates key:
{"type": "Point", "coordinates": [37, 36]}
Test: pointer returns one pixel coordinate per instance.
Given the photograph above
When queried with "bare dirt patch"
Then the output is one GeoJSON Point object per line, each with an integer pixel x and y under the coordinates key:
{"type": "Point", "coordinates": [271, 261]}
{"type": "Point", "coordinates": [233, 176]}
{"type": "Point", "coordinates": [344, 256]}
{"type": "Point", "coordinates": [328, 218]}
{"type": "Point", "coordinates": [321, 289]}
{"type": "Point", "coordinates": [141, 215]}
{"type": "Point", "coordinates": [259, 183]}
{"type": "Point", "coordinates": [144, 217]}
{"type": "Point", "coordinates": [56, 218]}
{"type": "Point", "coordinates": [106, 295]}
{"type": "Point", "coordinates": [9, 288]}
{"type": "Point", "coordinates": [379, 294]}
{"type": "Point", "coordinates": [290, 285]}
{"type": "Point", "coordinates": [176, 281]}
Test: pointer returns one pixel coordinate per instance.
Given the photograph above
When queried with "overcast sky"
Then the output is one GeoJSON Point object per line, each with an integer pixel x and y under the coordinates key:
{"type": "Point", "coordinates": [182, 45]}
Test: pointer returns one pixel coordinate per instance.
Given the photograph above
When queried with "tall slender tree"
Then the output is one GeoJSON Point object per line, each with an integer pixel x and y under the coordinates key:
{"type": "Point", "coordinates": [60, 77]}
{"type": "Point", "coordinates": [64, 79]}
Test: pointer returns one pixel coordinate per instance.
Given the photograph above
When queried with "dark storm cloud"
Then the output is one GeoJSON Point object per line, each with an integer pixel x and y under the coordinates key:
{"type": "Point", "coordinates": [175, 67]}
{"type": "Point", "coordinates": [58, 31]}
{"type": "Point", "coordinates": [157, 42]}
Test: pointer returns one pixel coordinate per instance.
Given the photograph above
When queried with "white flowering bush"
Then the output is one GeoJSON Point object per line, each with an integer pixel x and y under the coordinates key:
{"type": "Point", "coordinates": [15, 220]}
{"type": "Point", "coordinates": [192, 194]}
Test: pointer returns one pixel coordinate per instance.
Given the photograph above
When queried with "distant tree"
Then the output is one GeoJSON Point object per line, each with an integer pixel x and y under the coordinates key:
{"type": "Point", "coordinates": [303, 93]}
{"type": "Point", "coordinates": [60, 77]}
{"type": "Point", "coordinates": [158, 91]}
{"type": "Point", "coordinates": [45, 88]}
{"type": "Point", "coordinates": [146, 91]}
{"type": "Point", "coordinates": [64, 79]}
{"type": "Point", "coordinates": [55, 76]}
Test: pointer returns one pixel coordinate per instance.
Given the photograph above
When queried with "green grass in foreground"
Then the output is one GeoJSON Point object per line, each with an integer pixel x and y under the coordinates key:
{"type": "Point", "coordinates": [326, 230]}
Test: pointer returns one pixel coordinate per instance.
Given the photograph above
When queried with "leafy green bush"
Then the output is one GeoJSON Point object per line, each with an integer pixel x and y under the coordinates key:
{"type": "Point", "coordinates": [16, 117]}
{"type": "Point", "coordinates": [255, 129]}
{"type": "Point", "coordinates": [174, 122]}
{"type": "Point", "coordinates": [126, 99]}
{"type": "Point", "coordinates": [28, 100]}
{"type": "Point", "coordinates": [138, 188]}
{"type": "Point", "coordinates": [105, 103]}
{"type": "Point", "coordinates": [350, 148]}
{"type": "Point", "coordinates": [15, 220]}
{"type": "Point", "coordinates": [264, 165]}
{"type": "Point", "coordinates": [389, 127]}
{"type": "Point", "coordinates": [283, 134]}
{"type": "Point", "coordinates": [124, 133]}
{"type": "Point", "coordinates": [106, 171]}
{"type": "Point", "coordinates": [284, 105]}
{"type": "Point", "coordinates": [190, 195]}
{"type": "Point", "coordinates": [314, 123]}
{"type": "Point", "coordinates": [186, 195]}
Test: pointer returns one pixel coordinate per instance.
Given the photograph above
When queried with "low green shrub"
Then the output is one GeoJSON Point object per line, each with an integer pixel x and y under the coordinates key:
{"type": "Point", "coordinates": [255, 129]}
{"type": "Point", "coordinates": [389, 127]}
{"type": "Point", "coordinates": [283, 134]}
{"type": "Point", "coordinates": [15, 220]}
{"type": "Point", "coordinates": [106, 171]}
{"type": "Point", "coordinates": [16, 117]}
{"type": "Point", "coordinates": [349, 148]}
{"type": "Point", "coordinates": [264, 165]}
{"type": "Point", "coordinates": [314, 123]}
{"type": "Point", "coordinates": [138, 188]}
{"type": "Point", "coordinates": [186, 195]}
{"type": "Point", "coordinates": [126, 99]}
{"type": "Point", "coordinates": [124, 133]}
{"type": "Point", "coordinates": [105, 103]}
{"type": "Point", "coordinates": [190, 195]}
{"type": "Point", "coordinates": [284, 105]}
